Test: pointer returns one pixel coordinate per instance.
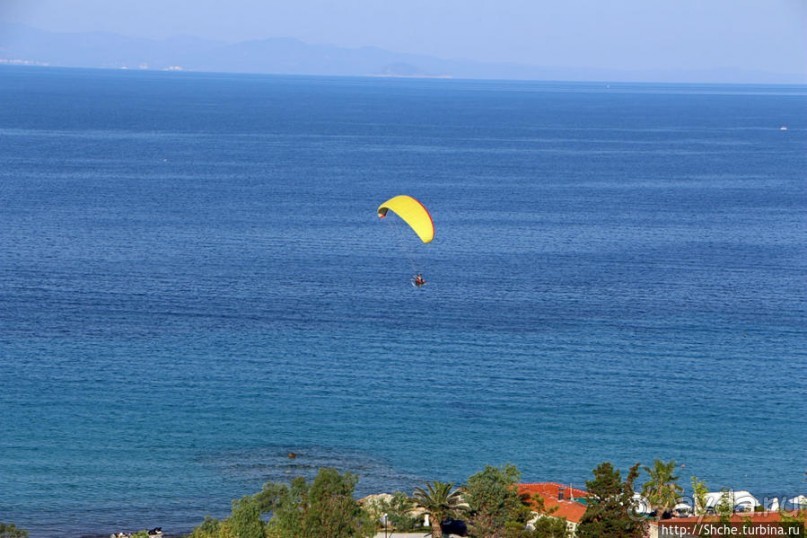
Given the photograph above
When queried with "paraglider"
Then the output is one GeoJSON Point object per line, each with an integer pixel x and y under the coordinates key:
{"type": "Point", "coordinates": [413, 213]}
{"type": "Point", "coordinates": [417, 217]}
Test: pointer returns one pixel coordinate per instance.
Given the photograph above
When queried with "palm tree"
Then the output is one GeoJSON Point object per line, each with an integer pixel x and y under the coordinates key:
{"type": "Point", "coordinates": [662, 490]}
{"type": "Point", "coordinates": [441, 500]}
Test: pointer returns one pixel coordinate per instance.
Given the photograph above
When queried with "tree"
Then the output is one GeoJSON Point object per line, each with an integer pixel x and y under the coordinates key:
{"type": "Point", "coordinates": [662, 489]}
{"type": "Point", "coordinates": [610, 505]}
{"type": "Point", "coordinates": [271, 494]}
{"type": "Point", "coordinates": [725, 506]}
{"type": "Point", "coordinates": [245, 520]}
{"type": "Point", "coordinates": [441, 501]}
{"type": "Point", "coordinates": [699, 492]}
{"type": "Point", "coordinates": [287, 505]}
{"type": "Point", "coordinates": [325, 507]}
{"type": "Point", "coordinates": [539, 505]}
{"type": "Point", "coordinates": [210, 528]}
{"type": "Point", "coordinates": [398, 510]}
{"type": "Point", "coordinates": [550, 527]}
{"type": "Point", "coordinates": [336, 513]}
{"type": "Point", "coordinates": [544, 527]}
{"type": "Point", "coordinates": [494, 502]}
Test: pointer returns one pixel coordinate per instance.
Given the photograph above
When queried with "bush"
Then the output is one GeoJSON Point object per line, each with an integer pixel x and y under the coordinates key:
{"type": "Point", "coordinates": [9, 530]}
{"type": "Point", "coordinates": [399, 512]}
{"type": "Point", "coordinates": [210, 528]}
{"type": "Point", "coordinates": [244, 522]}
{"type": "Point", "coordinates": [325, 507]}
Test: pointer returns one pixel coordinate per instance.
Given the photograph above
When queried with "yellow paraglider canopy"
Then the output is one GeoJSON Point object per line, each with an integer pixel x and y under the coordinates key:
{"type": "Point", "coordinates": [413, 213]}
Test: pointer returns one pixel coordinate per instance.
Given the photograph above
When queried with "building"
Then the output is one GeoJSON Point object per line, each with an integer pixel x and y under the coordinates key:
{"type": "Point", "coordinates": [559, 501]}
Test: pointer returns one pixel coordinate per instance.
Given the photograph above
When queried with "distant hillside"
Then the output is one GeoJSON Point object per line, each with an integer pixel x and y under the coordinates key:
{"type": "Point", "coordinates": [24, 45]}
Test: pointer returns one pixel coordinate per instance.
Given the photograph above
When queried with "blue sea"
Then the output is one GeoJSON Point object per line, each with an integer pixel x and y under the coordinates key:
{"type": "Point", "coordinates": [194, 283]}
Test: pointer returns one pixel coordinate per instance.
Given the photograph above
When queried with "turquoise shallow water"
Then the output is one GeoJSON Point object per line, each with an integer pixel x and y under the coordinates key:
{"type": "Point", "coordinates": [193, 283]}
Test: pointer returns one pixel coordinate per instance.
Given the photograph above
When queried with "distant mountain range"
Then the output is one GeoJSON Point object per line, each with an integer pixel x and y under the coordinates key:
{"type": "Point", "coordinates": [25, 45]}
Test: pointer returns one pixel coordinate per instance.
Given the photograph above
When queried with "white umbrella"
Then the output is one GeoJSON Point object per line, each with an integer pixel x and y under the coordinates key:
{"type": "Point", "coordinates": [801, 500]}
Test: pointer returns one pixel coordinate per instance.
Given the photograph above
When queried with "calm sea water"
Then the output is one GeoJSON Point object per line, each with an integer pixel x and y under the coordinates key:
{"type": "Point", "coordinates": [193, 283]}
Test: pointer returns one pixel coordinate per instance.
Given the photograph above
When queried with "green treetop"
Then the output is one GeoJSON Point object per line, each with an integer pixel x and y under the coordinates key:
{"type": "Point", "coordinates": [494, 502]}
{"type": "Point", "coordinates": [662, 490]}
{"type": "Point", "coordinates": [610, 505]}
{"type": "Point", "coordinates": [440, 500]}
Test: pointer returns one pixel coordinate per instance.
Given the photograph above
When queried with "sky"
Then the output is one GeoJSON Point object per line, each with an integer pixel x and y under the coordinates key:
{"type": "Point", "coordinates": [761, 35]}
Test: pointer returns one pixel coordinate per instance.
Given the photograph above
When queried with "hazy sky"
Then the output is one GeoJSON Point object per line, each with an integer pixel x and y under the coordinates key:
{"type": "Point", "coordinates": [767, 35]}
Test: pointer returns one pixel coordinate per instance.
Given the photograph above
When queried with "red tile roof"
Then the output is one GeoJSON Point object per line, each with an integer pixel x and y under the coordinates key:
{"type": "Point", "coordinates": [566, 508]}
